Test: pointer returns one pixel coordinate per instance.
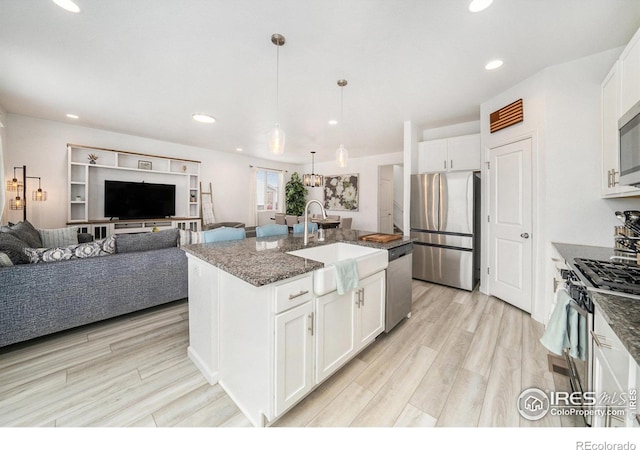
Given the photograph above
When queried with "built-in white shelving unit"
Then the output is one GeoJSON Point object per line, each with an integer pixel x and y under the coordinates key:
{"type": "Point", "coordinates": [86, 188]}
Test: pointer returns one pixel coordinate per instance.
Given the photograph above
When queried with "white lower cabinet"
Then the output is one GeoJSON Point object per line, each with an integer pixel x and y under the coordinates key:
{"type": "Point", "coordinates": [293, 355]}
{"type": "Point", "coordinates": [371, 313]}
{"type": "Point", "coordinates": [347, 323]}
{"type": "Point", "coordinates": [335, 342]}
{"type": "Point", "coordinates": [608, 390]}
{"type": "Point", "coordinates": [614, 378]}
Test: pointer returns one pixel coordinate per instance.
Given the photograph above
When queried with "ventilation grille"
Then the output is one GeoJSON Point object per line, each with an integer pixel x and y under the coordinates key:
{"type": "Point", "coordinates": [558, 365]}
{"type": "Point", "coordinates": [507, 116]}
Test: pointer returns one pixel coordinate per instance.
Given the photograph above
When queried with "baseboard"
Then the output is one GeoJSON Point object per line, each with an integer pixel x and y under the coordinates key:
{"type": "Point", "coordinates": [210, 374]}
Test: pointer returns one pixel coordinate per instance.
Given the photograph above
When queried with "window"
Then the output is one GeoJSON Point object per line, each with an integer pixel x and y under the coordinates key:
{"type": "Point", "coordinates": [268, 187]}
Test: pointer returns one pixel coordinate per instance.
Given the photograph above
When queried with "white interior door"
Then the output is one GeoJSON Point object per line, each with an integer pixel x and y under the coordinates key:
{"type": "Point", "coordinates": [385, 199]}
{"type": "Point", "coordinates": [510, 239]}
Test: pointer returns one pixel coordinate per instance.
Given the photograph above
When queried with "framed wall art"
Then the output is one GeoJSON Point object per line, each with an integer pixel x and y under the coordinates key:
{"type": "Point", "coordinates": [341, 192]}
{"type": "Point", "coordinates": [146, 165]}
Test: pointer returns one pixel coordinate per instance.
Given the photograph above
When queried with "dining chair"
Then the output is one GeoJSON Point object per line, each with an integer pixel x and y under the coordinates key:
{"type": "Point", "coordinates": [280, 220]}
{"type": "Point", "coordinates": [299, 227]}
{"type": "Point", "coordinates": [271, 229]}
{"type": "Point", "coordinates": [291, 220]}
{"type": "Point", "coordinates": [223, 234]}
{"type": "Point", "coordinates": [345, 223]}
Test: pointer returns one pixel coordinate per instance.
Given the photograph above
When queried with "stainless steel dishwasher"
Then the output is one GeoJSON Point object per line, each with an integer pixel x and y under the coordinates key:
{"type": "Point", "coordinates": [398, 302]}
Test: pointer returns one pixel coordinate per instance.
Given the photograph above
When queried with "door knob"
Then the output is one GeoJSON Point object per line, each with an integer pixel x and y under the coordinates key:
{"type": "Point", "coordinates": [525, 235]}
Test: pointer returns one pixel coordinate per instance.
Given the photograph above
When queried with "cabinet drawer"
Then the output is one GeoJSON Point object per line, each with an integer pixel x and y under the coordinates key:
{"type": "Point", "coordinates": [293, 293]}
{"type": "Point", "coordinates": [612, 349]}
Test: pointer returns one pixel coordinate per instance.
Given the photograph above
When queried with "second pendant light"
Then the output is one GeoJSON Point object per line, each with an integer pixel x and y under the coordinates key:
{"type": "Point", "coordinates": [342, 155]}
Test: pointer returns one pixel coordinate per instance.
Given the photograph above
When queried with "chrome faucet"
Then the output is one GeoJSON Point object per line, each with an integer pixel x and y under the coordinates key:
{"type": "Point", "coordinates": [306, 218]}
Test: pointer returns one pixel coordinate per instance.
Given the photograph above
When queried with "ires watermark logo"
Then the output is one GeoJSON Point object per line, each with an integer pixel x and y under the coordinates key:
{"type": "Point", "coordinates": [534, 403]}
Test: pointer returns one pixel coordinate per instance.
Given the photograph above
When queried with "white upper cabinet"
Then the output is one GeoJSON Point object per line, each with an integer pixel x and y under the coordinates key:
{"type": "Point", "coordinates": [614, 97]}
{"type": "Point", "coordinates": [630, 74]}
{"type": "Point", "coordinates": [461, 153]}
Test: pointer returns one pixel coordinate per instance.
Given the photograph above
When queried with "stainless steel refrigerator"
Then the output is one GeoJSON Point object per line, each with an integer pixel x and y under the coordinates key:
{"type": "Point", "coordinates": [445, 212]}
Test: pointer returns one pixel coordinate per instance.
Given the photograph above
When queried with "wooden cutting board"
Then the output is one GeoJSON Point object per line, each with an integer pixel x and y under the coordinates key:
{"type": "Point", "coordinates": [380, 237]}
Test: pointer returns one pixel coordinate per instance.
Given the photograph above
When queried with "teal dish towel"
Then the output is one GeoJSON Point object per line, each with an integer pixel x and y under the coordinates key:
{"type": "Point", "coordinates": [566, 328]}
{"type": "Point", "coordinates": [347, 276]}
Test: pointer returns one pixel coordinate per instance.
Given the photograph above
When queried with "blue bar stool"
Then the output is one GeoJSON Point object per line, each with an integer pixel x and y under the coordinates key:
{"type": "Point", "coordinates": [271, 229]}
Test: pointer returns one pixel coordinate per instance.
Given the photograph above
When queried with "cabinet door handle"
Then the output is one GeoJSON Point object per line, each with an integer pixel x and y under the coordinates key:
{"type": "Point", "coordinates": [362, 296]}
{"type": "Point", "coordinates": [299, 294]}
{"type": "Point", "coordinates": [358, 298]}
{"type": "Point", "coordinates": [451, 165]}
{"type": "Point", "coordinates": [596, 339]}
{"type": "Point", "coordinates": [311, 325]}
{"type": "Point", "coordinates": [445, 163]}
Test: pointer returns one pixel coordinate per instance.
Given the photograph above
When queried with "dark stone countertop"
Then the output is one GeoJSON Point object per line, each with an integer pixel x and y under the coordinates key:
{"type": "Point", "coordinates": [621, 313]}
{"type": "Point", "coordinates": [262, 261]}
{"type": "Point", "coordinates": [623, 316]}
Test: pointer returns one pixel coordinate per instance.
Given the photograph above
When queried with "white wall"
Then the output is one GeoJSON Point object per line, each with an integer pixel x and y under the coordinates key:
{"type": "Point", "coordinates": [458, 129]}
{"type": "Point", "coordinates": [398, 196]}
{"type": "Point", "coordinates": [562, 115]}
{"type": "Point", "coordinates": [41, 145]}
{"type": "Point", "coordinates": [3, 144]}
{"type": "Point", "coordinates": [366, 218]}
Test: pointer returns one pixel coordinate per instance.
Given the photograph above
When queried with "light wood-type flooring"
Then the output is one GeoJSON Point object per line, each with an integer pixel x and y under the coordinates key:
{"type": "Point", "coordinates": [462, 359]}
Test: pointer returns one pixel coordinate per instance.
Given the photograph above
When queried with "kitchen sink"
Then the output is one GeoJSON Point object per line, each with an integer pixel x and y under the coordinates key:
{"type": "Point", "coordinates": [369, 261]}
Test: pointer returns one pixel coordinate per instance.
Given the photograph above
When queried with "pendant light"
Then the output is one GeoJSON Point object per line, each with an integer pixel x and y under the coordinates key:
{"type": "Point", "coordinates": [276, 139]}
{"type": "Point", "coordinates": [312, 179]}
{"type": "Point", "coordinates": [342, 155]}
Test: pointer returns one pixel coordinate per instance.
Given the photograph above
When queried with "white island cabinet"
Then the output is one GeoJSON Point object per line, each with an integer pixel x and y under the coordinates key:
{"type": "Point", "coordinates": [347, 323]}
{"type": "Point", "coordinates": [270, 346]}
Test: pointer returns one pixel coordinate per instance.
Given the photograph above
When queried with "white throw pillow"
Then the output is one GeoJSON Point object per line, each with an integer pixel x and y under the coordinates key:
{"type": "Point", "coordinates": [59, 237]}
{"type": "Point", "coordinates": [190, 237]}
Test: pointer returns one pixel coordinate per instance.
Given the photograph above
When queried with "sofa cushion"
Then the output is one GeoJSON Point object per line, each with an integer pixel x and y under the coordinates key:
{"type": "Point", "coordinates": [142, 242]}
{"type": "Point", "coordinates": [14, 248]}
{"type": "Point", "coordinates": [190, 237]}
{"type": "Point", "coordinates": [25, 232]}
{"type": "Point", "coordinates": [59, 237]}
{"type": "Point", "coordinates": [103, 247]}
{"type": "Point", "coordinates": [5, 261]}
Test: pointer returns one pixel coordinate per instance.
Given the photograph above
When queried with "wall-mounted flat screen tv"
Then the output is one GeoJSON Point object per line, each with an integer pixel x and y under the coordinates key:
{"type": "Point", "coordinates": [130, 200]}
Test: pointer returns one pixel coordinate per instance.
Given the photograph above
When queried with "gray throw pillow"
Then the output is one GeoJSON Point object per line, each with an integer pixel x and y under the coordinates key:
{"type": "Point", "coordinates": [25, 232]}
{"type": "Point", "coordinates": [142, 242]}
{"type": "Point", "coordinates": [14, 248]}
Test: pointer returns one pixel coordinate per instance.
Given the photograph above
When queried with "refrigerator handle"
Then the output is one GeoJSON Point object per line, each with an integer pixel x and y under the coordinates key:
{"type": "Point", "coordinates": [442, 202]}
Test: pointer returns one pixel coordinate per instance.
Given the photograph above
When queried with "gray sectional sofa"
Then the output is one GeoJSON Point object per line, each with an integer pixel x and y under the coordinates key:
{"type": "Point", "coordinates": [44, 298]}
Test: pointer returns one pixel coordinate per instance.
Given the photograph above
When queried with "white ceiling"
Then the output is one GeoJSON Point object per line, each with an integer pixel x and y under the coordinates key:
{"type": "Point", "coordinates": [142, 67]}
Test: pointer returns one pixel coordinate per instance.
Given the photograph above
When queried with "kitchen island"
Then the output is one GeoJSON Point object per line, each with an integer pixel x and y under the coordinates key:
{"type": "Point", "coordinates": [270, 326]}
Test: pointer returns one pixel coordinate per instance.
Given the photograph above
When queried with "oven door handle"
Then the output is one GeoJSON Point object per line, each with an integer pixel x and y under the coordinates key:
{"type": "Point", "coordinates": [596, 339]}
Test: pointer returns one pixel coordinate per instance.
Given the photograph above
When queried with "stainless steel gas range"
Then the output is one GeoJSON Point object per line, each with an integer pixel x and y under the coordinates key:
{"type": "Point", "coordinates": [589, 275]}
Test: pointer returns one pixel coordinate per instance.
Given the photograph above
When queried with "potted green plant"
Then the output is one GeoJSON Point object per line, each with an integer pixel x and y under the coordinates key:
{"type": "Point", "coordinates": [296, 195]}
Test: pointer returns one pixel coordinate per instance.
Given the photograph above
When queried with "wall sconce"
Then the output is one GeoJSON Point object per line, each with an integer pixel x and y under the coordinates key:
{"type": "Point", "coordinates": [19, 186]}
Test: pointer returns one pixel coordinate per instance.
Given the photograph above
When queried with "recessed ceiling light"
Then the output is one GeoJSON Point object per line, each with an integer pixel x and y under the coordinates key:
{"type": "Point", "coordinates": [68, 5]}
{"type": "Point", "coordinates": [204, 118]}
{"type": "Point", "coordinates": [479, 5]}
{"type": "Point", "coordinates": [333, 122]}
{"type": "Point", "coordinates": [491, 65]}
{"type": "Point", "coordinates": [72, 116]}
{"type": "Point", "coordinates": [238, 149]}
